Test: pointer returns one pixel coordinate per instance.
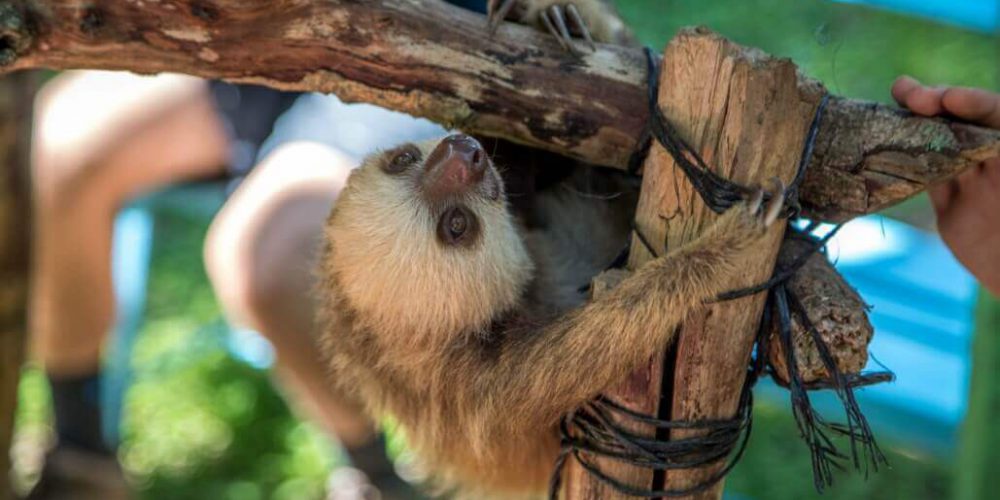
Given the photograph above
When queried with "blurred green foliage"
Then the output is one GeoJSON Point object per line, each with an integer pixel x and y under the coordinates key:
{"type": "Point", "coordinates": [980, 438]}
{"type": "Point", "coordinates": [201, 423]}
{"type": "Point", "coordinates": [776, 466]}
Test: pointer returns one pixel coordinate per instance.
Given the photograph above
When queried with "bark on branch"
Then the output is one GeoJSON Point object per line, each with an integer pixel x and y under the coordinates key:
{"type": "Point", "coordinates": [431, 59]}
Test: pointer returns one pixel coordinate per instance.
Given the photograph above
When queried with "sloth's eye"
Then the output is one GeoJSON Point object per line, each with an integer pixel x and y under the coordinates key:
{"type": "Point", "coordinates": [457, 226]}
{"type": "Point", "coordinates": [402, 159]}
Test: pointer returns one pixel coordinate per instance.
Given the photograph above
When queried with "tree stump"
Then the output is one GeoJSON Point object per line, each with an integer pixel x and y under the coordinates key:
{"type": "Point", "coordinates": [16, 93]}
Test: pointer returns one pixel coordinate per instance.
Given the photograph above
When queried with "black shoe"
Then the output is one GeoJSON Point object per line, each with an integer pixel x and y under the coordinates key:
{"type": "Point", "coordinates": [72, 473]}
{"type": "Point", "coordinates": [372, 475]}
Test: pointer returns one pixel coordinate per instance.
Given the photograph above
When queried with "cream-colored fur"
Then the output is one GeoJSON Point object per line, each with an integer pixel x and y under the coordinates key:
{"type": "Point", "coordinates": [381, 225]}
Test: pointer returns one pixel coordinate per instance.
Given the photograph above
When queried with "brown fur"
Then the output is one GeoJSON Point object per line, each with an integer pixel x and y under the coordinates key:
{"type": "Point", "coordinates": [460, 345]}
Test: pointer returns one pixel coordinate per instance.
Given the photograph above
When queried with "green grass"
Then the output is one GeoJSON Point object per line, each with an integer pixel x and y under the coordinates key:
{"type": "Point", "coordinates": [202, 424]}
{"type": "Point", "coordinates": [776, 466]}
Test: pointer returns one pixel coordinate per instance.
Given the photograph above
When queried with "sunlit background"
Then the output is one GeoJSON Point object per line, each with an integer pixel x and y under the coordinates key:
{"type": "Point", "coordinates": [200, 418]}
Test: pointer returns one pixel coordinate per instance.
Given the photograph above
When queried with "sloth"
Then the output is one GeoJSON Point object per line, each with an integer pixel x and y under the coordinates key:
{"type": "Point", "coordinates": [443, 309]}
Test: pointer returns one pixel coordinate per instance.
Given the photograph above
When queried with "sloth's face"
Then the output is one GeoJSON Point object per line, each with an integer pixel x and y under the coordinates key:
{"type": "Point", "coordinates": [421, 234]}
{"type": "Point", "coordinates": [453, 178]}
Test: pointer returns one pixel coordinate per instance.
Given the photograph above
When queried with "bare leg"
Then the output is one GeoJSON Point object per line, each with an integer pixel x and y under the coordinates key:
{"type": "Point", "coordinates": [100, 139]}
{"type": "Point", "coordinates": [260, 254]}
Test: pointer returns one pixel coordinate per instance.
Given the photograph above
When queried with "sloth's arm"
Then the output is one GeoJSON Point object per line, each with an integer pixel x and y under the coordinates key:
{"type": "Point", "coordinates": [539, 376]}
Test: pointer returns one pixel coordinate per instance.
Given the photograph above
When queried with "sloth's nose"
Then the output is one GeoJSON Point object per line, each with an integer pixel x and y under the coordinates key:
{"type": "Point", "coordinates": [457, 164]}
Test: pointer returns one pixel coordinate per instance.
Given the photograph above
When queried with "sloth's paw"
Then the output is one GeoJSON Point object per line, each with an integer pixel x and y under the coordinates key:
{"type": "Point", "coordinates": [570, 21]}
{"type": "Point", "coordinates": [765, 205]}
{"type": "Point", "coordinates": [750, 220]}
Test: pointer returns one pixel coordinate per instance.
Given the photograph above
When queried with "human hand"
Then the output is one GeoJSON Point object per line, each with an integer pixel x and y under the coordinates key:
{"type": "Point", "coordinates": [968, 205]}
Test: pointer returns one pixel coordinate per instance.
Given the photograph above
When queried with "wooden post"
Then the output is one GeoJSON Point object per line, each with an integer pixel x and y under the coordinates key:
{"type": "Point", "coordinates": [748, 115]}
{"type": "Point", "coordinates": [15, 122]}
{"type": "Point", "coordinates": [640, 392]}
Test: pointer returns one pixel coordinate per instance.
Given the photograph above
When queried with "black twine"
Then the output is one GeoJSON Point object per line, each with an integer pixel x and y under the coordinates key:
{"type": "Point", "coordinates": [594, 429]}
{"type": "Point", "coordinates": [719, 193]}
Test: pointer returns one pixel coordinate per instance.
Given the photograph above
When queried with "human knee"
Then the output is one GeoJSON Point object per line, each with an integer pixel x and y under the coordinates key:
{"type": "Point", "coordinates": [60, 173]}
{"type": "Point", "coordinates": [258, 265]}
{"type": "Point", "coordinates": [84, 120]}
{"type": "Point", "coordinates": [262, 246]}
{"type": "Point", "coordinates": [225, 256]}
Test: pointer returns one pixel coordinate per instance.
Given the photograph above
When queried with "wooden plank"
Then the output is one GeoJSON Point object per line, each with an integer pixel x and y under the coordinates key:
{"type": "Point", "coordinates": [15, 121]}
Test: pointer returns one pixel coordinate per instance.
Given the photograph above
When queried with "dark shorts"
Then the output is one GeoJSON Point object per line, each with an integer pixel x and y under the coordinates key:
{"type": "Point", "coordinates": [249, 113]}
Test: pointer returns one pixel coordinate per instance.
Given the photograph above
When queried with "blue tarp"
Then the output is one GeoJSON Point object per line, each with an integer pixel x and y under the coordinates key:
{"type": "Point", "coordinates": [922, 302]}
{"type": "Point", "coordinates": [982, 15]}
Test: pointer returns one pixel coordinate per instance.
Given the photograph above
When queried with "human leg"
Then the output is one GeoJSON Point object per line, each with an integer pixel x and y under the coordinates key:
{"type": "Point", "coordinates": [100, 139]}
{"type": "Point", "coordinates": [259, 252]}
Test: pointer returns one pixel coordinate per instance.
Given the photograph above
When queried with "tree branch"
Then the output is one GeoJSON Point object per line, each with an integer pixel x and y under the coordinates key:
{"type": "Point", "coordinates": [835, 310]}
{"type": "Point", "coordinates": [434, 60]}
{"type": "Point", "coordinates": [869, 156]}
{"type": "Point", "coordinates": [426, 58]}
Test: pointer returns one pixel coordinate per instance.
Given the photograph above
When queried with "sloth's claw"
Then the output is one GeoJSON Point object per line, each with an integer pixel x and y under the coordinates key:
{"type": "Point", "coordinates": [556, 14]}
{"type": "Point", "coordinates": [755, 200]}
{"type": "Point", "coordinates": [549, 25]}
{"type": "Point", "coordinates": [559, 20]}
{"type": "Point", "coordinates": [497, 11]}
{"type": "Point", "coordinates": [562, 20]}
{"type": "Point", "coordinates": [766, 204]}
{"type": "Point", "coordinates": [579, 24]}
{"type": "Point", "coordinates": [776, 203]}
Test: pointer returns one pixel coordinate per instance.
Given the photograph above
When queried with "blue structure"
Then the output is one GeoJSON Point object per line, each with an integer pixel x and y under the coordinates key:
{"type": "Point", "coordinates": [981, 15]}
{"type": "Point", "coordinates": [922, 309]}
{"type": "Point", "coordinates": [922, 303]}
